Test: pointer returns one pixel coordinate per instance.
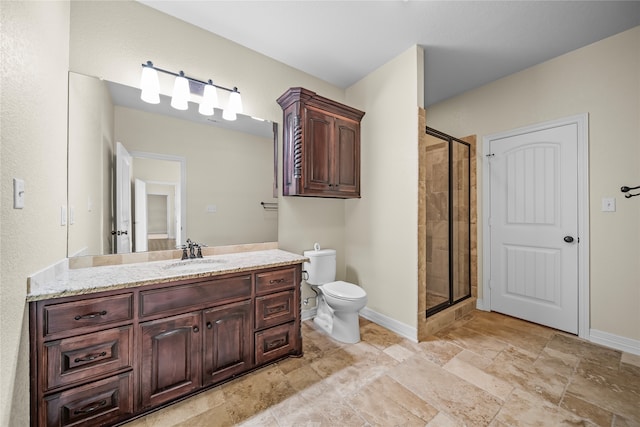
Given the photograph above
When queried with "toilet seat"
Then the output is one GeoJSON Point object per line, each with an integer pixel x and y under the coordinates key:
{"type": "Point", "coordinates": [343, 290]}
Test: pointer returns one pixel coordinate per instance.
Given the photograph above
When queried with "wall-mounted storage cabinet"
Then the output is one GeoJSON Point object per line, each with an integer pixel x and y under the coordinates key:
{"type": "Point", "coordinates": [321, 146]}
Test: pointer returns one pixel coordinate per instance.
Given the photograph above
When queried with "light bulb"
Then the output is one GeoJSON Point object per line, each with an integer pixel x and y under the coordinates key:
{"type": "Point", "coordinates": [180, 95]}
{"type": "Point", "coordinates": [234, 106]}
{"type": "Point", "coordinates": [209, 100]}
{"type": "Point", "coordinates": [235, 101]}
{"type": "Point", "coordinates": [149, 85]}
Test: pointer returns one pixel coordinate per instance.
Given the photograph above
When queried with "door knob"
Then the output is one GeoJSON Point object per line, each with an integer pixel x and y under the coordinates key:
{"type": "Point", "coordinates": [568, 239]}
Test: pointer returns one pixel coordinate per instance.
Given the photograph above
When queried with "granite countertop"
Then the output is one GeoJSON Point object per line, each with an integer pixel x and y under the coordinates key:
{"type": "Point", "coordinates": [67, 282]}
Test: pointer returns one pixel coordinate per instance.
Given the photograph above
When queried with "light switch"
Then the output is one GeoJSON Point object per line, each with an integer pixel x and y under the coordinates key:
{"type": "Point", "coordinates": [608, 204]}
{"type": "Point", "coordinates": [18, 193]}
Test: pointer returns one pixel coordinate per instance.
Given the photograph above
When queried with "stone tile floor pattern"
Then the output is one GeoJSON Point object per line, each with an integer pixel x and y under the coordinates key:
{"type": "Point", "coordinates": [485, 370]}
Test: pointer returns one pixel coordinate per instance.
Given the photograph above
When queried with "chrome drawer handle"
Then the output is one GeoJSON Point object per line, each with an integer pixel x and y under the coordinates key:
{"type": "Point", "coordinates": [90, 357]}
{"type": "Point", "coordinates": [90, 408]}
{"type": "Point", "coordinates": [91, 315]}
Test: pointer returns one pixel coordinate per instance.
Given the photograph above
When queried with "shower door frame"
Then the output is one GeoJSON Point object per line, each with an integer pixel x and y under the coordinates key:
{"type": "Point", "coordinates": [450, 140]}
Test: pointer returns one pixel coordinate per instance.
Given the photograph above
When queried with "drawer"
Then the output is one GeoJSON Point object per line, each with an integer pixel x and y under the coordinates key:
{"type": "Point", "coordinates": [90, 312]}
{"type": "Point", "coordinates": [99, 403]}
{"type": "Point", "coordinates": [83, 357]}
{"type": "Point", "coordinates": [275, 309]}
{"type": "Point", "coordinates": [277, 280]}
{"type": "Point", "coordinates": [205, 293]}
{"type": "Point", "coordinates": [276, 342]}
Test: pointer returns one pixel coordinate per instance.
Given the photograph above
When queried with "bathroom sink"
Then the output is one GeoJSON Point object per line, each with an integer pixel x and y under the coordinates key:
{"type": "Point", "coordinates": [196, 264]}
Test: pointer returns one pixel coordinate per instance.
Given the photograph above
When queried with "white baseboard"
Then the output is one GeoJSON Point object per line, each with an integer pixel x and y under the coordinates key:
{"type": "Point", "coordinates": [480, 305]}
{"type": "Point", "coordinates": [399, 328]}
{"type": "Point", "coordinates": [615, 341]}
{"type": "Point", "coordinates": [402, 329]}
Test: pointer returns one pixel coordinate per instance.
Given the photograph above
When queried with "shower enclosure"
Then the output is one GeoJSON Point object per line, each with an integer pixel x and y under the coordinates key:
{"type": "Point", "coordinates": [448, 221]}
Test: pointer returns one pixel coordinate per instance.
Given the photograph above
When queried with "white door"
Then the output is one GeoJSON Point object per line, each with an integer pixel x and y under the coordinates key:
{"type": "Point", "coordinates": [123, 200]}
{"type": "Point", "coordinates": [140, 222]}
{"type": "Point", "coordinates": [533, 226]}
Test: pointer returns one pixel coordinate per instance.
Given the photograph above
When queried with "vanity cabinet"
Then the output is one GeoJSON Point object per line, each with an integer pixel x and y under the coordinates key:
{"type": "Point", "coordinates": [103, 358]}
{"type": "Point", "coordinates": [321, 146]}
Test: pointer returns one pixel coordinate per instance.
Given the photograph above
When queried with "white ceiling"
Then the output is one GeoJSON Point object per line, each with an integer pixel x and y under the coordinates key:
{"type": "Point", "coordinates": [466, 43]}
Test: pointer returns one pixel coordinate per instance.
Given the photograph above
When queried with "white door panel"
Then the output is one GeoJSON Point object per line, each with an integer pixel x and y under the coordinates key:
{"type": "Point", "coordinates": [533, 207]}
{"type": "Point", "coordinates": [123, 200]}
{"type": "Point", "coordinates": [141, 220]}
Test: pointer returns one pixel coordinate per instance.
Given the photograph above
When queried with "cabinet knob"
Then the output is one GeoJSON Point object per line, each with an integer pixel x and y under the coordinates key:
{"type": "Point", "coordinates": [209, 325]}
{"type": "Point", "coordinates": [196, 329]}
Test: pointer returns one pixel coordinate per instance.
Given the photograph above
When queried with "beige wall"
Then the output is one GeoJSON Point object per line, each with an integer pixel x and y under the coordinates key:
{"type": "Point", "coordinates": [90, 150]}
{"type": "Point", "coordinates": [603, 80]}
{"type": "Point", "coordinates": [33, 118]}
{"type": "Point", "coordinates": [381, 228]}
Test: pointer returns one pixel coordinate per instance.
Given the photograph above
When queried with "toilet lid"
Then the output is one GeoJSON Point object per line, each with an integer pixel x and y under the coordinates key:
{"type": "Point", "coordinates": [343, 290]}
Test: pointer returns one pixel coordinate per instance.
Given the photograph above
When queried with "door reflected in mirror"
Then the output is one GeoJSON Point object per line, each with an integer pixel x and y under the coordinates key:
{"type": "Point", "coordinates": [190, 176]}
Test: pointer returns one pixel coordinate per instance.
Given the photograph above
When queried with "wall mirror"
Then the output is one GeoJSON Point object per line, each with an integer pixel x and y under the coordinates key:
{"type": "Point", "coordinates": [174, 174]}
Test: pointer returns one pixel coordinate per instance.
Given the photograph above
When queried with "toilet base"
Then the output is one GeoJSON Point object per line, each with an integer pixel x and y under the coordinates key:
{"type": "Point", "coordinates": [342, 326]}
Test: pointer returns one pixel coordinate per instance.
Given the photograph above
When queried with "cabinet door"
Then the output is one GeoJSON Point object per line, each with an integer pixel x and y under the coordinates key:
{"type": "Point", "coordinates": [170, 359]}
{"type": "Point", "coordinates": [347, 157]}
{"type": "Point", "coordinates": [317, 168]}
{"type": "Point", "coordinates": [227, 341]}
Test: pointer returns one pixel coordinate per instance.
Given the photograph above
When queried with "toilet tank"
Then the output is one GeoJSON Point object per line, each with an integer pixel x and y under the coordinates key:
{"type": "Point", "coordinates": [322, 266]}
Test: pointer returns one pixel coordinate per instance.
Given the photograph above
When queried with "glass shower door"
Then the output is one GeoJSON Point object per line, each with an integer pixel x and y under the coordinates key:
{"type": "Point", "coordinates": [448, 221]}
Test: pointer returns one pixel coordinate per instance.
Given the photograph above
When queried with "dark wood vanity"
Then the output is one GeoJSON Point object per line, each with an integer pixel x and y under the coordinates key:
{"type": "Point", "coordinates": [105, 357]}
{"type": "Point", "coordinates": [321, 146]}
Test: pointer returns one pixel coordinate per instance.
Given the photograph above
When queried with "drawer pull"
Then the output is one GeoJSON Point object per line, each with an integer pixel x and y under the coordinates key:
{"type": "Point", "coordinates": [90, 357]}
{"type": "Point", "coordinates": [276, 309]}
{"type": "Point", "coordinates": [209, 325]}
{"type": "Point", "coordinates": [91, 315]}
{"type": "Point", "coordinates": [91, 408]}
{"type": "Point", "coordinates": [196, 329]}
{"type": "Point", "coordinates": [271, 282]}
{"type": "Point", "coordinates": [276, 343]}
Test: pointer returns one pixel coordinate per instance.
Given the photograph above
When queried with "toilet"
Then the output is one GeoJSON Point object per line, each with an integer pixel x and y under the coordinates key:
{"type": "Point", "coordinates": [338, 302]}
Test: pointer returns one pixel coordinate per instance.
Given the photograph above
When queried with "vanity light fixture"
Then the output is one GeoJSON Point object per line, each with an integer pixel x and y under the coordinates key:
{"type": "Point", "coordinates": [150, 92]}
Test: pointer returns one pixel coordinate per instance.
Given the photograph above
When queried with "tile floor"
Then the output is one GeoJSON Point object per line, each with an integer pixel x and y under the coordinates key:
{"type": "Point", "coordinates": [485, 370]}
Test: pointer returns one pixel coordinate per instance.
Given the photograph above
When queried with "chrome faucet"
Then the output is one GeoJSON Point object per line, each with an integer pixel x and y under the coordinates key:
{"type": "Point", "coordinates": [191, 246]}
